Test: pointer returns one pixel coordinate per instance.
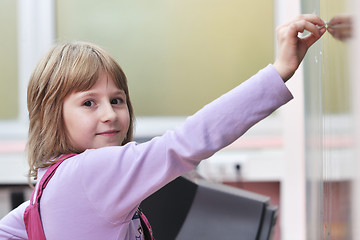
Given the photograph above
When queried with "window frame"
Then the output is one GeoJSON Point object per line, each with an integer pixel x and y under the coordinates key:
{"type": "Point", "coordinates": [36, 34]}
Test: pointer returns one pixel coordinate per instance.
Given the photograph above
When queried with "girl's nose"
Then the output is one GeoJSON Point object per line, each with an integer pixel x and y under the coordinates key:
{"type": "Point", "coordinates": [108, 113]}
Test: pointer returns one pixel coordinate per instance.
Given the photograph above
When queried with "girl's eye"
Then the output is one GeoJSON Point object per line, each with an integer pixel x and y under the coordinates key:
{"type": "Point", "coordinates": [89, 103]}
{"type": "Point", "coordinates": [117, 101]}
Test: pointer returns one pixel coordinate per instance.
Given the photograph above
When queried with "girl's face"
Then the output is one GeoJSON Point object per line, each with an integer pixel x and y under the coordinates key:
{"type": "Point", "coordinates": [98, 117]}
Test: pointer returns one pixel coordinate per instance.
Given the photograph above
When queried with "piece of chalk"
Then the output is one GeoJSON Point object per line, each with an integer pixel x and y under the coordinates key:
{"type": "Point", "coordinates": [324, 25]}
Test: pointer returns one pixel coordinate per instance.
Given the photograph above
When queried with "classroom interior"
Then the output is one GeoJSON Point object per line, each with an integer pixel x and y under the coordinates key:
{"type": "Point", "coordinates": [180, 55]}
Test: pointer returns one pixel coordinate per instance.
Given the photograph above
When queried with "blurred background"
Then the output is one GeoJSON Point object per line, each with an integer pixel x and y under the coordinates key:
{"type": "Point", "coordinates": [180, 55]}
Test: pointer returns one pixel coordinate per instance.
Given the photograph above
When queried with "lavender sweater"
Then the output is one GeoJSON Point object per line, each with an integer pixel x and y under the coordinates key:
{"type": "Point", "coordinates": [94, 195]}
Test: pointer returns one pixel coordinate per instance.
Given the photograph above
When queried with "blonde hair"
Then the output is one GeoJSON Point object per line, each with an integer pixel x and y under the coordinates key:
{"type": "Point", "coordinates": [67, 68]}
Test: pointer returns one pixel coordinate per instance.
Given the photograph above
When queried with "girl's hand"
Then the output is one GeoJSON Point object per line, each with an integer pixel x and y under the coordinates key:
{"type": "Point", "coordinates": [291, 47]}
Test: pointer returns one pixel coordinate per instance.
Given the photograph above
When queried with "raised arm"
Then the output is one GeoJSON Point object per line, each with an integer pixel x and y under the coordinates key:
{"type": "Point", "coordinates": [140, 170]}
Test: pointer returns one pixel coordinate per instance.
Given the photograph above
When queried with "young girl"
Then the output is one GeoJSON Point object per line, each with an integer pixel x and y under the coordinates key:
{"type": "Point", "coordinates": [78, 102]}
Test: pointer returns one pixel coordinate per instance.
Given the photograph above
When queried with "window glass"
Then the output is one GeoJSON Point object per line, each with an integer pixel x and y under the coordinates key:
{"type": "Point", "coordinates": [8, 61]}
{"type": "Point", "coordinates": [177, 55]}
{"type": "Point", "coordinates": [329, 128]}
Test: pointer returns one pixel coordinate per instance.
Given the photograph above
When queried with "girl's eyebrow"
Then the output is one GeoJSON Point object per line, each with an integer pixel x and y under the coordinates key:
{"type": "Point", "coordinates": [91, 93]}
{"type": "Point", "coordinates": [119, 92]}
{"type": "Point", "coordinates": [85, 94]}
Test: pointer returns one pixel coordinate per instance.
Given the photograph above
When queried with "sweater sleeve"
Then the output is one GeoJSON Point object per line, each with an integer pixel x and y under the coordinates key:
{"type": "Point", "coordinates": [117, 179]}
{"type": "Point", "coordinates": [12, 225]}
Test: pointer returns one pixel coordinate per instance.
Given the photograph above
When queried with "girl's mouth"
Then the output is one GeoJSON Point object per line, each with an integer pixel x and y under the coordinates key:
{"type": "Point", "coordinates": [108, 133]}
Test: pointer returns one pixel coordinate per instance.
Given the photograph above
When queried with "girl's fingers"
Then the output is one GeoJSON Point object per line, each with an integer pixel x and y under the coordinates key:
{"type": "Point", "coordinates": [316, 33]}
{"type": "Point", "coordinates": [310, 27]}
{"type": "Point", "coordinates": [307, 22]}
{"type": "Point", "coordinates": [312, 38]}
{"type": "Point", "coordinates": [310, 18]}
{"type": "Point", "coordinates": [302, 25]}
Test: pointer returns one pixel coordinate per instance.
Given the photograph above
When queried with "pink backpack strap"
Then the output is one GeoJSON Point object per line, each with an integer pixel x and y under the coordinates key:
{"type": "Point", "coordinates": [32, 217]}
{"type": "Point", "coordinates": [146, 226]}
